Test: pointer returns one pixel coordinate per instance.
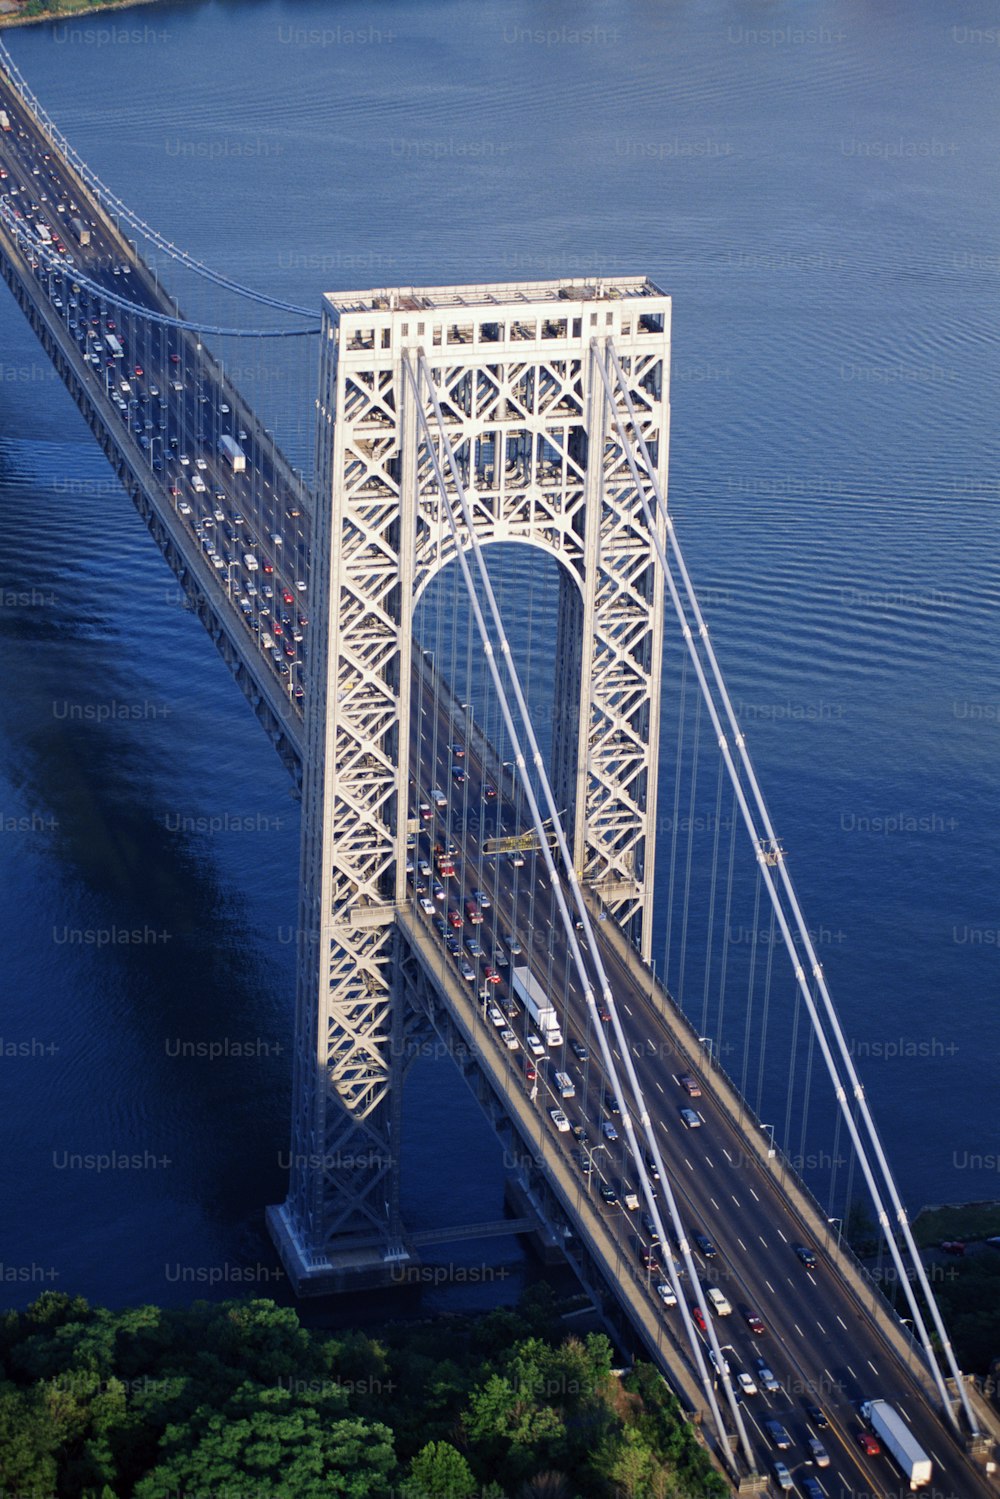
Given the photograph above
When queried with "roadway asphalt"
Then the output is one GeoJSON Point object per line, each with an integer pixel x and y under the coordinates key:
{"type": "Point", "coordinates": [238, 514]}
{"type": "Point", "coordinates": [822, 1346]}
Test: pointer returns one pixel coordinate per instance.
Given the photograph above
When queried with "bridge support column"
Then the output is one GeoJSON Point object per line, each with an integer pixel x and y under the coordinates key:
{"type": "Point", "coordinates": [517, 383]}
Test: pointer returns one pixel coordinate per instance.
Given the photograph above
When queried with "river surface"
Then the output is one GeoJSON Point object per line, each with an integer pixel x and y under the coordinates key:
{"type": "Point", "coordinates": [819, 195]}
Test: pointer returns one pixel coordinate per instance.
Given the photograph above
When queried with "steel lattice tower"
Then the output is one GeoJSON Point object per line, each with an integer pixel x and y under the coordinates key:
{"type": "Point", "coordinates": [525, 411]}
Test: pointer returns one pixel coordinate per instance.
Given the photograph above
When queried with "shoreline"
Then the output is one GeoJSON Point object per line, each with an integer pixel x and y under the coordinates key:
{"type": "Point", "coordinates": [70, 10]}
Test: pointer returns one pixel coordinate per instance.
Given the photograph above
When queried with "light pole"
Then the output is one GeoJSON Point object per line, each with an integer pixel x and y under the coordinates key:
{"type": "Point", "coordinates": [708, 1043]}
{"type": "Point", "coordinates": [840, 1224]}
{"type": "Point", "coordinates": [770, 1149]}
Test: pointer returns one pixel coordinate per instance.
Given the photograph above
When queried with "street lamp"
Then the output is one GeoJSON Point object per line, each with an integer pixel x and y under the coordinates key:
{"type": "Point", "coordinates": [840, 1224]}
{"type": "Point", "coordinates": [707, 1042]}
{"type": "Point", "coordinates": [770, 1151]}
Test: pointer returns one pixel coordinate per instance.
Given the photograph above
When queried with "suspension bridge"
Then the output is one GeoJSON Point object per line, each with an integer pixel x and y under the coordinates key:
{"type": "Point", "coordinates": [481, 874]}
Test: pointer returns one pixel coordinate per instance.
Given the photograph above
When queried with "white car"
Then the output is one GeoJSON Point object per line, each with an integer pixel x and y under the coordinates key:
{"type": "Point", "coordinates": [426, 905]}
{"type": "Point", "coordinates": [497, 1017]}
{"type": "Point", "coordinates": [559, 1120]}
{"type": "Point", "coordinates": [201, 463]}
{"type": "Point", "coordinates": [513, 944]}
{"type": "Point", "coordinates": [184, 460]}
{"type": "Point", "coordinates": [509, 1039]}
{"type": "Point", "coordinates": [666, 1294]}
{"type": "Point", "coordinates": [715, 1361]}
{"type": "Point", "coordinates": [534, 1045]}
{"type": "Point", "coordinates": [718, 1302]}
{"type": "Point", "coordinates": [746, 1384]}
{"type": "Point", "coordinates": [184, 508]}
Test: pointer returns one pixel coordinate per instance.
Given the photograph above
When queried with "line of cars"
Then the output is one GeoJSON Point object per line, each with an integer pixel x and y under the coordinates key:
{"type": "Point", "coordinates": [145, 409]}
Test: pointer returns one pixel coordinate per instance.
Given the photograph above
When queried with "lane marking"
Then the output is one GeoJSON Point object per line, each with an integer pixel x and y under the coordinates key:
{"type": "Point", "coordinates": [714, 1203]}
{"type": "Point", "coordinates": [821, 1328]}
{"type": "Point", "coordinates": [851, 1372]}
{"type": "Point", "coordinates": [742, 1245]}
{"type": "Point", "coordinates": [798, 1329]}
{"type": "Point", "coordinates": [753, 1194]}
{"type": "Point", "coordinates": [872, 1367]}
{"type": "Point", "coordinates": [728, 1157]}
{"type": "Point", "coordinates": [769, 1286]}
{"type": "Point", "coordinates": [735, 1198]}
{"type": "Point", "coordinates": [688, 1164]}
{"type": "Point", "coordinates": [762, 1240]}
{"type": "Point", "coordinates": [782, 1237]}
{"type": "Point", "coordinates": [624, 1005]}
{"type": "Point", "coordinates": [660, 1086]}
{"type": "Point", "coordinates": [651, 1044]}
{"type": "Point", "coordinates": [710, 1162]}
{"type": "Point", "coordinates": [842, 1322]}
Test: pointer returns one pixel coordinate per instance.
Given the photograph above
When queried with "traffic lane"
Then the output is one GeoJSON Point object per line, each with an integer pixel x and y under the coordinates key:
{"type": "Point", "coordinates": [792, 1304]}
{"type": "Point", "coordinates": [854, 1345]}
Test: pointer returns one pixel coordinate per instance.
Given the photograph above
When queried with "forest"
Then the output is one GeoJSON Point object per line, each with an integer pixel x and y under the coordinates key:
{"type": "Point", "coordinates": [238, 1400]}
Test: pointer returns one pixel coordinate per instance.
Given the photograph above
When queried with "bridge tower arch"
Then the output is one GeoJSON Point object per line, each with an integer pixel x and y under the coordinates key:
{"type": "Point", "coordinates": [514, 366]}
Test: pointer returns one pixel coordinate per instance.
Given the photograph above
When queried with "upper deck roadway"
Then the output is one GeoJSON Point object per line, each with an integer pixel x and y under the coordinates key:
{"type": "Point", "coordinates": [822, 1339]}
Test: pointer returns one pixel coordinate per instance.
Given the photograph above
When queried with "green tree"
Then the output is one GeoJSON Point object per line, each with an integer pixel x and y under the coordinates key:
{"type": "Point", "coordinates": [28, 1442]}
{"type": "Point", "coordinates": [439, 1471]}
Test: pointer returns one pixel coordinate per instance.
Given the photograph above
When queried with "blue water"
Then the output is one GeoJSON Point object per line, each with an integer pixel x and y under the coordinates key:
{"type": "Point", "coordinates": [819, 197]}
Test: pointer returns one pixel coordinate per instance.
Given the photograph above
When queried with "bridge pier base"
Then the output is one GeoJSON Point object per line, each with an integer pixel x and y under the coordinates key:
{"type": "Point", "coordinates": [355, 1268]}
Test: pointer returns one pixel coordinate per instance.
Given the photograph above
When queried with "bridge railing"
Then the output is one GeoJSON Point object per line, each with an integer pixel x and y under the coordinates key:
{"type": "Point", "coordinates": [812, 1216]}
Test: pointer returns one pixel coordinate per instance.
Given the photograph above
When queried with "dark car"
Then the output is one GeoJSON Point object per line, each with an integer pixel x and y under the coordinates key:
{"type": "Point", "coordinates": [817, 1417]}
{"type": "Point", "coordinates": [579, 1050]}
{"type": "Point", "coordinates": [806, 1255]}
{"type": "Point", "coordinates": [706, 1246]}
{"type": "Point", "coordinates": [811, 1487]}
{"type": "Point", "coordinates": [953, 1246]}
{"type": "Point", "coordinates": [609, 1195]}
{"type": "Point", "coordinates": [779, 1436]}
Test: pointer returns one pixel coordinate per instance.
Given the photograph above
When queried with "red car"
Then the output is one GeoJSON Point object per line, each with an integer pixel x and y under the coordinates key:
{"type": "Point", "coordinates": [139, 369]}
{"type": "Point", "coordinates": [175, 359]}
{"type": "Point", "coordinates": [288, 597]}
{"type": "Point", "coordinates": [454, 919]}
{"type": "Point", "coordinates": [868, 1444]}
{"type": "Point", "coordinates": [491, 976]}
{"type": "Point", "coordinates": [755, 1324]}
{"type": "Point", "coordinates": [699, 1320]}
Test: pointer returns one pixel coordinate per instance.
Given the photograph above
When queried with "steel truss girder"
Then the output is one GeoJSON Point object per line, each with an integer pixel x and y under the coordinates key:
{"type": "Point", "coordinates": [279, 718]}
{"type": "Point", "coordinates": [541, 464]}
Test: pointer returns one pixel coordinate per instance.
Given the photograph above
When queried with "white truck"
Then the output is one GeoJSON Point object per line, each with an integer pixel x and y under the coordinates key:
{"type": "Point", "coordinates": [896, 1437]}
{"type": "Point", "coordinates": [536, 1002]}
{"type": "Point", "coordinates": [230, 448]}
